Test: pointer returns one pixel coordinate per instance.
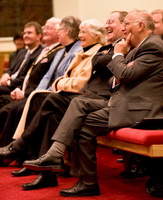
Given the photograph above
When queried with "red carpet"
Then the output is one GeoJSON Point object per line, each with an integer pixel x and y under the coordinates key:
{"type": "Point", "coordinates": [112, 186]}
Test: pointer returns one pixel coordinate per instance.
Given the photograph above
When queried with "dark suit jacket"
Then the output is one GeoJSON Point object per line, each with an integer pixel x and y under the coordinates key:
{"type": "Point", "coordinates": [98, 82]}
{"type": "Point", "coordinates": [12, 57]}
{"type": "Point", "coordinates": [140, 93]}
{"type": "Point", "coordinates": [40, 69]}
{"type": "Point", "coordinates": [17, 62]}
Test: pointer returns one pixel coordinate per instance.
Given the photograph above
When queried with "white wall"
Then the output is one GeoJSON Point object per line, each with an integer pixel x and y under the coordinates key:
{"type": "Point", "coordinates": [100, 9]}
{"type": "Point", "coordinates": [62, 8]}
{"type": "Point", "coordinates": [6, 44]}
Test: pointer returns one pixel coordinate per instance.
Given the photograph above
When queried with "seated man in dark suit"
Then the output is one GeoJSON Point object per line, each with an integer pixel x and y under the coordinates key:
{"type": "Point", "coordinates": [137, 73]}
{"type": "Point", "coordinates": [14, 76]}
{"type": "Point", "coordinates": [136, 165]}
{"type": "Point", "coordinates": [154, 185]}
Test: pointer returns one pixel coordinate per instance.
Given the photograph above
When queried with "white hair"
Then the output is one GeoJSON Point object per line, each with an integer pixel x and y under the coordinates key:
{"type": "Point", "coordinates": [55, 20]}
{"type": "Point", "coordinates": [95, 27]}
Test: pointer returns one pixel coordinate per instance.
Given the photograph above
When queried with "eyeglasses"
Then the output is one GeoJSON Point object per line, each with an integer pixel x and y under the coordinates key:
{"type": "Point", "coordinates": [49, 28]}
{"type": "Point", "coordinates": [110, 21]}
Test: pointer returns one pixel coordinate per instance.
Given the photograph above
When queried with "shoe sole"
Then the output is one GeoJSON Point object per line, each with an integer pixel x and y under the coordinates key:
{"type": "Point", "coordinates": [42, 168]}
{"type": "Point", "coordinates": [80, 195]}
{"type": "Point", "coordinates": [39, 187]}
{"type": "Point", "coordinates": [27, 174]}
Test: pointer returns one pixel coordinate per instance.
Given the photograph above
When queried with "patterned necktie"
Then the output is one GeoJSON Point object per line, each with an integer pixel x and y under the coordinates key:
{"type": "Point", "coordinates": [42, 54]}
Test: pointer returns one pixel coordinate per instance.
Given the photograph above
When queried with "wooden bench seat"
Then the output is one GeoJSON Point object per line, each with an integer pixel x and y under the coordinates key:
{"type": "Point", "coordinates": [139, 141]}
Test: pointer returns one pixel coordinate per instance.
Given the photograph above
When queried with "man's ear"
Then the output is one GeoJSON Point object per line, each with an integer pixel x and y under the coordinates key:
{"type": "Point", "coordinates": [141, 26]}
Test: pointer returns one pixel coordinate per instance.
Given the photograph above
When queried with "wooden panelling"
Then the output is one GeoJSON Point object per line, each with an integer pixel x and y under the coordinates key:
{"type": "Point", "coordinates": [15, 13]}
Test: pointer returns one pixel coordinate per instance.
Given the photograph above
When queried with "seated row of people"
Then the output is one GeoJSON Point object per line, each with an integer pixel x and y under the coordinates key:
{"type": "Point", "coordinates": [81, 105]}
{"type": "Point", "coordinates": [54, 62]}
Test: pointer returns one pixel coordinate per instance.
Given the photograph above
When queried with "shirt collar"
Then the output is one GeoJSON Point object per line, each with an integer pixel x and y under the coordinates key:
{"type": "Point", "coordinates": [141, 42]}
{"type": "Point", "coordinates": [32, 50]}
{"type": "Point", "coordinates": [118, 40]}
{"type": "Point", "coordinates": [52, 46]}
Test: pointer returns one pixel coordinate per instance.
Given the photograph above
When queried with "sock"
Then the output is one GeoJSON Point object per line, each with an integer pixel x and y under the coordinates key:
{"type": "Point", "coordinates": [57, 149]}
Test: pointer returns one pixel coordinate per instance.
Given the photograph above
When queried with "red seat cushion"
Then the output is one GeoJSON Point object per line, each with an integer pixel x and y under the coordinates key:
{"type": "Point", "coordinates": [138, 136]}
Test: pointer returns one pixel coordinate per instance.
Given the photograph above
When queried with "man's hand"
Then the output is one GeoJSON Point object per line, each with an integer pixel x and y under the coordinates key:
{"type": "Point", "coordinates": [17, 94]}
{"type": "Point", "coordinates": [5, 77]}
{"type": "Point", "coordinates": [123, 46]}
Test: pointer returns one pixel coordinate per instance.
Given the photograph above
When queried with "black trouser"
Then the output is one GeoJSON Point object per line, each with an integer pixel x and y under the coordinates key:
{"type": "Point", "coordinates": [9, 117]}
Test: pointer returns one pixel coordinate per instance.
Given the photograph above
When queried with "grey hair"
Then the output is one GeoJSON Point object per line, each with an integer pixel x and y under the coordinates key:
{"type": "Point", "coordinates": [95, 27]}
{"type": "Point", "coordinates": [145, 17]}
{"type": "Point", "coordinates": [72, 23]}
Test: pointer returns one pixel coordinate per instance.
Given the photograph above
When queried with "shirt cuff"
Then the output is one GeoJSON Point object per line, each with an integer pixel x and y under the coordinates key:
{"type": "Point", "coordinates": [117, 54]}
{"type": "Point", "coordinates": [8, 83]}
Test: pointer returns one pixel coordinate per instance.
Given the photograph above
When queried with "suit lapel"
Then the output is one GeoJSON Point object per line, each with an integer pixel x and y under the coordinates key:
{"type": "Point", "coordinates": [132, 55]}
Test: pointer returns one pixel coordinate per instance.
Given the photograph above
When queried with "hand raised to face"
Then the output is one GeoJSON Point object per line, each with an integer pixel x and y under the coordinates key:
{"type": "Point", "coordinates": [123, 46]}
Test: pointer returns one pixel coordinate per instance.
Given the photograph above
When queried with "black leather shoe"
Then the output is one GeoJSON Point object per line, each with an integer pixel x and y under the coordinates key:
{"type": "Point", "coordinates": [154, 187]}
{"type": "Point", "coordinates": [43, 180]}
{"type": "Point", "coordinates": [23, 172]}
{"type": "Point", "coordinates": [81, 189]}
{"type": "Point", "coordinates": [8, 152]}
{"type": "Point", "coordinates": [45, 163]}
{"type": "Point", "coordinates": [134, 173]}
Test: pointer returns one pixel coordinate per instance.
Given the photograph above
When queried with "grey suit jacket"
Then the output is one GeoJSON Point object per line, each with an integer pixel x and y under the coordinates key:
{"type": "Point", "coordinates": [67, 59]}
{"type": "Point", "coordinates": [43, 85]}
{"type": "Point", "coordinates": [140, 93]}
